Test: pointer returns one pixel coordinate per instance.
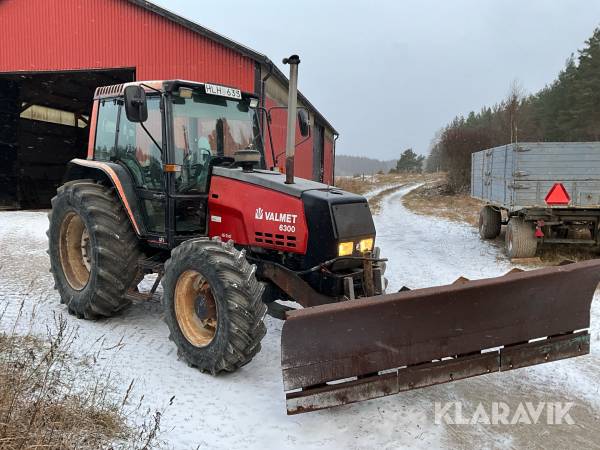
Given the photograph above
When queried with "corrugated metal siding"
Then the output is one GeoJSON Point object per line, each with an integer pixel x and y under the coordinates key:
{"type": "Point", "coordinates": [518, 176]}
{"type": "Point", "coordinates": [43, 35]}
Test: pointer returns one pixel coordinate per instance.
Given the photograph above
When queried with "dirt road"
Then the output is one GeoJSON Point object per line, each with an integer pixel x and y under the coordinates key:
{"type": "Point", "coordinates": [246, 409]}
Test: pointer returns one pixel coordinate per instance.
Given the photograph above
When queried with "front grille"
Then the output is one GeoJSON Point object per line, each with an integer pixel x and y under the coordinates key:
{"type": "Point", "coordinates": [281, 240]}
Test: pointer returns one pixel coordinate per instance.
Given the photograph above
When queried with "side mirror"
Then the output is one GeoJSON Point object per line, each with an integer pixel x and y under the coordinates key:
{"type": "Point", "coordinates": [303, 122]}
{"type": "Point", "coordinates": [136, 107]}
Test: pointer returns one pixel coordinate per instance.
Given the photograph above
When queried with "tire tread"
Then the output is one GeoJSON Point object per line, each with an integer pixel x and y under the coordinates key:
{"type": "Point", "coordinates": [242, 293]}
{"type": "Point", "coordinates": [117, 249]}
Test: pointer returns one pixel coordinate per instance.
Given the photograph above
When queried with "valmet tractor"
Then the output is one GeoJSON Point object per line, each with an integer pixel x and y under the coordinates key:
{"type": "Point", "coordinates": [175, 184]}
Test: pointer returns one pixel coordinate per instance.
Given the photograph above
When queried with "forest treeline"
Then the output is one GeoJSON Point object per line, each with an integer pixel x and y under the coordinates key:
{"type": "Point", "coordinates": [354, 165]}
{"type": "Point", "coordinates": [566, 110]}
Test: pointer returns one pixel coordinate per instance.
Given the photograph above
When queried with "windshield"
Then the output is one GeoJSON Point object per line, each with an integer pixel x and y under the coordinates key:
{"type": "Point", "coordinates": [206, 127]}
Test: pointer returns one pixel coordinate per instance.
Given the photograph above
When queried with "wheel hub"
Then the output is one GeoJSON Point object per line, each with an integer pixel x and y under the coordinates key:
{"type": "Point", "coordinates": [195, 308]}
{"type": "Point", "coordinates": [204, 307]}
{"type": "Point", "coordinates": [75, 251]}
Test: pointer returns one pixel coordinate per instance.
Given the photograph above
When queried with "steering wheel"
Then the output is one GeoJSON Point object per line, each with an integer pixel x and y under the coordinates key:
{"type": "Point", "coordinates": [198, 171]}
{"type": "Point", "coordinates": [205, 154]}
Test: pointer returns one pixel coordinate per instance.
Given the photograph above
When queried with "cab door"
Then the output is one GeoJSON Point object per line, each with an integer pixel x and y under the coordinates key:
{"type": "Point", "coordinates": [144, 159]}
{"type": "Point", "coordinates": [188, 184]}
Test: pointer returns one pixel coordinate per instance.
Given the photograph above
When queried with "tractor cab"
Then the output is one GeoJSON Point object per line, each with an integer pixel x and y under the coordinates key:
{"type": "Point", "coordinates": [171, 137]}
{"type": "Point", "coordinates": [168, 135]}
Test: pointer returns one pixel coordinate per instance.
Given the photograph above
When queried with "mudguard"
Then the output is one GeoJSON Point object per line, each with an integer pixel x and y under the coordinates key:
{"type": "Point", "coordinates": [121, 180]}
{"type": "Point", "coordinates": [356, 350]}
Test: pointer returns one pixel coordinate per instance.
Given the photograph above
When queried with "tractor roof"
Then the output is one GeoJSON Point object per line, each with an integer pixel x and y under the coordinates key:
{"type": "Point", "coordinates": [117, 90]}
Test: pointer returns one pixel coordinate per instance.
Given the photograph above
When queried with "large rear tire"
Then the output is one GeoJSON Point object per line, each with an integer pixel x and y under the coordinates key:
{"type": "Point", "coordinates": [213, 305]}
{"type": "Point", "coordinates": [490, 222]}
{"type": "Point", "coordinates": [93, 249]}
{"type": "Point", "coordinates": [520, 239]}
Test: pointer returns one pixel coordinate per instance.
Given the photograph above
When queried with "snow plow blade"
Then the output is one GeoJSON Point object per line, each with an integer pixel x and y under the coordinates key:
{"type": "Point", "coordinates": [352, 351]}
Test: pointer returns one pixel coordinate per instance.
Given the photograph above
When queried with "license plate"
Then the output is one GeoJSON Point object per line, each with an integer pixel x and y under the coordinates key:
{"type": "Point", "coordinates": [215, 89]}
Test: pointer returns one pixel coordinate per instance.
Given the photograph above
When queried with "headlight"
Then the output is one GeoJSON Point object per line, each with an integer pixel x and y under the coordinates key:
{"type": "Point", "coordinates": [365, 245]}
{"type": "Point", "coordinates": [345, 248]}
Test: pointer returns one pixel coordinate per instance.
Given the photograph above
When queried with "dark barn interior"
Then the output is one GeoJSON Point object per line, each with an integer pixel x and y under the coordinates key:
{"type": "Point", "coordinates": [44, 124]}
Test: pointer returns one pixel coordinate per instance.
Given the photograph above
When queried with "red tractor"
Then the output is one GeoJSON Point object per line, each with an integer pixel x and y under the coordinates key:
{"type": "Point", "coordinates": [175, 183]}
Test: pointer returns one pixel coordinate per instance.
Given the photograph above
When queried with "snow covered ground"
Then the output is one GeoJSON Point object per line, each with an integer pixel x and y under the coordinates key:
{"type": "Point", "coordinates": [247, 408]}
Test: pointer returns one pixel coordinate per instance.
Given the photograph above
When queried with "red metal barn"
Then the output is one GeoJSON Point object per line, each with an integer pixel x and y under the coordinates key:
{"type": "Point", "coordinates": [54, 53]}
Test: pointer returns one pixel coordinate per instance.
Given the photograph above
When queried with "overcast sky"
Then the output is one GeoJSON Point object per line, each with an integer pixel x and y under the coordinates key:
{"type": "Point", "coordinates": [387, 75]}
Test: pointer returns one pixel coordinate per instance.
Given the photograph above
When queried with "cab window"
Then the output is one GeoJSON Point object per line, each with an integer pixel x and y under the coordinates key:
{"type": "Point", "coordinates": [106, 130]}
{"type": "Point", "coordinates": [143, 158]}
{"type": "Point", "coordinates": [205, 127]}
{"type": "Point", "coordinates": [138, 152]}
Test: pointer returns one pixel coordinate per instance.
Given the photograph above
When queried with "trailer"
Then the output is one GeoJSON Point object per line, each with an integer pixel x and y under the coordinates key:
{"type": "Point", "coordinates": [544, 192]}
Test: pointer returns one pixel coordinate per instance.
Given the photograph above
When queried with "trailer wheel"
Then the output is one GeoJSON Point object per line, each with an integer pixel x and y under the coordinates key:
{"type": "Point", "coordinates": [213, 305]}
{"type": "Point", "coordinates": [93, 249]}
{"type": "Point", "coordinates": [520, 239]}
{"type": "Point", "coordinates": [490, 222]}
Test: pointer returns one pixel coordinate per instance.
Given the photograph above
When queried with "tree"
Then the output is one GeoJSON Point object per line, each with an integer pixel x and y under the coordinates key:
{"type": "Point", "coordinates": [410, 162]}
{"type": "Point", "coordinates": [433, 163]}
{"type": "Point", "coordinates": [513, 104]}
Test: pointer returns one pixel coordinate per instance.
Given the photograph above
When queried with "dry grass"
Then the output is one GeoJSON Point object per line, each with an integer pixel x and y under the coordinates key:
{"type": "Point", "coordinates": [436, 199]}
{"type": "Point", "coordinates": [52, 400]}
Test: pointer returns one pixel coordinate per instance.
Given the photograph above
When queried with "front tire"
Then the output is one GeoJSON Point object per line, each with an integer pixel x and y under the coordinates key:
{"type": "Point", "coordinates": [213, 305]}
{"type": "Point", "coordinates": [520, 239]}
{"type": "Point", "coordinates": [93, 249]}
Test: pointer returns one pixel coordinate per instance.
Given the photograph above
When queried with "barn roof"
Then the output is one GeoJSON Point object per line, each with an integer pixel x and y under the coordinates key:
{"type": "Point", "coordinates": [229, 43]}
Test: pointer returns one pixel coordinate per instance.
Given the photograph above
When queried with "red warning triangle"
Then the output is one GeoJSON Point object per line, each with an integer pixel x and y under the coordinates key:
{"type": "Point", "coordinates": [558, 195]}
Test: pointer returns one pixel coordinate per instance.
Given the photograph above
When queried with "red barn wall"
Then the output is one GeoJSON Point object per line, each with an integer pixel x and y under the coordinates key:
{"type": "Point", "coordinates": [59, 35]}
{"type": "Point", "coordinates": [44, 35]}
{"type": "Point", "coordinates": [328, 160]}
{"type": "Point", "coordinates": [276, 95]}
{"type": "Point", "coordinates": [303, 157]}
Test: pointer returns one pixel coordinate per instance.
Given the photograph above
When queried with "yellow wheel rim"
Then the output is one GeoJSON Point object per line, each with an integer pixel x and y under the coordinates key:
{"type": "Point", "coordinates": [195, 308]}
{"type": "Point", "coordinates": [74, 251]}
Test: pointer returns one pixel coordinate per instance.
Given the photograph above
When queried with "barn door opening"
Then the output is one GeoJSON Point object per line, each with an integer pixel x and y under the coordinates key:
{"type": "Point", "coordinates": [9, 121]}
{"type": "Point", "coordinates": [318, 152]}
{"type": "Point", "coordinates": [44, 123]}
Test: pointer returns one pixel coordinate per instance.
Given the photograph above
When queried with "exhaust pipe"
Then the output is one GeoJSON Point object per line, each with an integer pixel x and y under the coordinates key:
{"type": "Point", "coordinates": [293, 61]}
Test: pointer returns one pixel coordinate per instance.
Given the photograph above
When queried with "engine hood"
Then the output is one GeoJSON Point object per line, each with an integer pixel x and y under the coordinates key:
{"type": "Point", "coordinates": [272, 180]}
{"type": "Point", "coordinates": [332, 215]}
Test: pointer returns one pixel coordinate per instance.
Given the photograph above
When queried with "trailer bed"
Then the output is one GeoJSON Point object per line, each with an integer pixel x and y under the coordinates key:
{"type": "Point", "coordinates": [519, 176]}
